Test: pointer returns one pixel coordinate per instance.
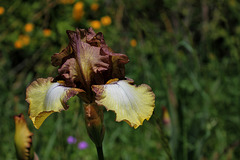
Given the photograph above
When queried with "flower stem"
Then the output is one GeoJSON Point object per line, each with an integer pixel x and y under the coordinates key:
{"type": "Point", "coordinates": [163, 139]}
{"type": "Point", "coordinates": [100, 153]}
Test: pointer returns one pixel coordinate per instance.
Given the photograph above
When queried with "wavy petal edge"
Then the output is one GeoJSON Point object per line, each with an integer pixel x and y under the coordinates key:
{"type": "Point", "coordinates": [131, 103]}
{"type": "Point", "coordinates": [46, 97]}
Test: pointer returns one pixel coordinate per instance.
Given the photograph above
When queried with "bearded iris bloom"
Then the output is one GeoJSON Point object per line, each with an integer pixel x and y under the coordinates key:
{"type": "Point", "coordinates": [91, 70]}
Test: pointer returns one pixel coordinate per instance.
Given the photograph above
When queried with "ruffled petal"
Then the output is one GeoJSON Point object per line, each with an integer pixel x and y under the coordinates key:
{"type": "Point", "coordinates": [59, 58]}
{"type": "Point", "coordinates": [89, 58]}
{"type": "Point", "coordinates": [69, 71]}
{"type": "Point", "coordinates": [118, 65]}
{"type": "Point", "coordinates": [130, 103]}
{"type": "Point", "coordinates": [45, 97]}
{"type": "Point", "coordinates": [117, 60]}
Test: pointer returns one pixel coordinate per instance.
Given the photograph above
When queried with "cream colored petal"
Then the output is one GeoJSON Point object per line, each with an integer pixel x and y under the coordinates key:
{"type": "Point", "coordinates": [45, 97]}
{"type": "Point", "coordinates": [130, 103]}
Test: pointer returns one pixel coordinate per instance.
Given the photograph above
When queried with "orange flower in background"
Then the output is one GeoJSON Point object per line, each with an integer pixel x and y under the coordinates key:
{"type": "Point", "coordinates": [78, 11]}
{"type": "Point", "coordinates": [47, 32]}
{"type": "Point", "coordinates": [2, 10]}
{"type": "Point", "coordinates": [79, 6]}
{"type": "Point", "coordinates": [18, 44]}
{"type": "Point", "coordinates": [24, 39]}
{"type": "Point", "coordinates": [95, 24]}
{"type": "Point", "coordinates": [94, 6]}
{"type": "Point", "coordinates": [28, 27]}
{"type": "Point", "coordinates": [106, 20]}
{"type": "Point", "coordinates": [133, 43]}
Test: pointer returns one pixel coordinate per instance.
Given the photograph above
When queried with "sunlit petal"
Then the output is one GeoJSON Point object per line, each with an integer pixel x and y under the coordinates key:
{"type": "Point", "coordinates": [45, 97]}
{"type": "Point", "coordinates": [130, 103]}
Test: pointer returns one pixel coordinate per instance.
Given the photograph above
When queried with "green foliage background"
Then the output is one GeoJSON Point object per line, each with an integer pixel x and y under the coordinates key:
{"type": "Point", "coordinates": [187, 51]}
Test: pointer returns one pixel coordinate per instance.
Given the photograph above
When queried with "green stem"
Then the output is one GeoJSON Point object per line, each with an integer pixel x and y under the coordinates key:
{"type": "Point", "coordinates": [100, 153]}
{"type": "Point", "coordinates": [164, 140]}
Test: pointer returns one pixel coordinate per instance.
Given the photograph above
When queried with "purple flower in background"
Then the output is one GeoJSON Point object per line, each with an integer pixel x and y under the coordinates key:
{"type": "Point", "coordinates": [82, 145]}
{"type": "Point", "coordinates": [71, 140]}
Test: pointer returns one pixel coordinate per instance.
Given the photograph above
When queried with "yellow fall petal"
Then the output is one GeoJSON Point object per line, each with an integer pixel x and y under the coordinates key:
{"type": "Point", "coordinates": [45, 98]}
{"type": "Point", "coordinates": [130, 103]}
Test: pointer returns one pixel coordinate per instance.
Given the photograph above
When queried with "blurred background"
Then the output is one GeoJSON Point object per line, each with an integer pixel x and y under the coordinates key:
{"type": "Point", "coordinates": [186, 50]}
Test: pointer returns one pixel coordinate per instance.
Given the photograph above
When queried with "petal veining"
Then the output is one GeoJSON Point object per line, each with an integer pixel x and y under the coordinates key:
{"type": "Point", "coordinates": [89, 58]}
{"type": "Point", "coordinates": [53, 96]}
{"type": "Point", "coordinates": [130, 103]}
{"type": "Point", "coordinates": [45, 98]}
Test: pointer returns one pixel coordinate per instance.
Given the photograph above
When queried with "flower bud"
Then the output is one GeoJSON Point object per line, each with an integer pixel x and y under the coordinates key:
{"type": "Point", "coordinates": [23, 139]}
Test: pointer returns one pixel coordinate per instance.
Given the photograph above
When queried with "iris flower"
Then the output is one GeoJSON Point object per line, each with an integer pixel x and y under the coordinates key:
{"type": "Point", "coordinates": [91, 70]}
